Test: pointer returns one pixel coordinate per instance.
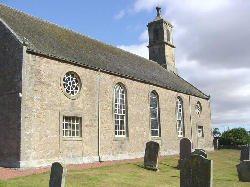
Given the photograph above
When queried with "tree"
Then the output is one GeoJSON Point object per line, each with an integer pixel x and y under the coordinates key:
{"type": "Point", "coordinates": [236, 136]}
{"type": "Point", "coordinates": [216, 132]}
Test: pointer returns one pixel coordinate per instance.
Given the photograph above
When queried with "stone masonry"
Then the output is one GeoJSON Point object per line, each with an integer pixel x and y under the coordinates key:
{"type": "Point", "coordinates": [33, 103]}
{"type": "Point", "coordinates": [43, 110]}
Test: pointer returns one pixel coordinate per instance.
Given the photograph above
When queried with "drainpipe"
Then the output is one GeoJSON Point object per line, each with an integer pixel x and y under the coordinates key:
{"type": "Point", "coordinates": [99, 116]}
{"type": "Point", "coordinates": [190, 117]}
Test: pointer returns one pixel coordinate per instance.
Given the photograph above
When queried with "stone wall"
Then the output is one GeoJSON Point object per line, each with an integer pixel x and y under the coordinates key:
{"type": "Point", "coordinates": [44, 104]}
{"type": "Point", "coordinates": [11, 55]}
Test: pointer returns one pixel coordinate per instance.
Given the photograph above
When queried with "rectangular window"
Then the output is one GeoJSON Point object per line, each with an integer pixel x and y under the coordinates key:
{"type": "Point", "coordinates": [200, 131]}
{"type": "Point", "coordinates": [72, 126]}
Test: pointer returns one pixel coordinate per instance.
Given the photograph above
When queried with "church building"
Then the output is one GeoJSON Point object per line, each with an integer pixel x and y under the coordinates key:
{"type": "Point", "coordinates": [67, 97]}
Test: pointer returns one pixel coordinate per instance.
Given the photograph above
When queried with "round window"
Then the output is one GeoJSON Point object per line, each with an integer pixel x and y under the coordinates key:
{"type": "Point", "coordinates": [71, 83]}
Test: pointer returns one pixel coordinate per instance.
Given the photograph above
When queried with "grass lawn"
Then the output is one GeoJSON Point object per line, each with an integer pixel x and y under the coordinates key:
{"type": "Point", "coordinates": [133, 174]}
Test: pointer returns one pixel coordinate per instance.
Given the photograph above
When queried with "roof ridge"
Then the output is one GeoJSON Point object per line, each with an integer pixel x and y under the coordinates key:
{"type": "Point", "coordinates": [193, 86]}
{"type": "Point", "coordinates": [81, 34]}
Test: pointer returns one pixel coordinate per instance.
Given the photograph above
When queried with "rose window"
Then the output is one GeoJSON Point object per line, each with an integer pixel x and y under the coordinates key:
{"type": "Point", "coordinates": [71, 83]}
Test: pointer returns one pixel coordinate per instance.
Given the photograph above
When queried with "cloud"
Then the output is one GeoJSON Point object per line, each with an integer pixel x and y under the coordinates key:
{"type": "Point", "coordinates": [146, 4]}
{"type": "Point", "coordinates": [198, 5]}
{"type": "Point", "coordinates": [120, 15]}
{"type": "Point", "coordinates": [139, 49]}
{"type": "Point", "coordinates": [212, 40]}
{"type": "Point", "coordinates": [144, 36]}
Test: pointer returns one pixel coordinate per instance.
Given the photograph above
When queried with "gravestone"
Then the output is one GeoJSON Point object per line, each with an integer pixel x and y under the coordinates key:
{"type": "Point", "coordinates": [243, 170]}
{"type": "Point", "coordinates": [244, 153]}
{"type": "Point", "coordinates": [200, 152]}
{"type": "Point", "coordinates": [196, 171]}
{"type": "Point", "coordinates": [57, 175]}
{"type": "Point", "coordinates": [185, 148]}
{"type": "Point", "coordinates": [216, 143]}
{"type": "Point", "coordinates": [151, 155]}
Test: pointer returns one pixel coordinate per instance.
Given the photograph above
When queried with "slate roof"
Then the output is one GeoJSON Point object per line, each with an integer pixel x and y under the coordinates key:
{"type": "Point", "coordinates": [42, 37]}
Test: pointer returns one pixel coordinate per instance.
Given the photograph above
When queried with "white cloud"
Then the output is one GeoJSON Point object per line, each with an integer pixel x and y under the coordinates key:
{"type": "Point", "coordinates": [139, 49]}
{"type": "Point", "coordinates": [146, 4]}
{"type": "Point", "coordinates": [144, 36]}
{"type": "Point", "coordinates": [120, 15]}
{"type": "Point", "coordinates": [212, 40]}
{"type": "Point", "coordinates": [198, 5]}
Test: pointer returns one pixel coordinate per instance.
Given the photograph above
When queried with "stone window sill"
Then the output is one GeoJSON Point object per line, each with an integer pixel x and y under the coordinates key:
{"type": "Point", "coordinates": [180, 137]}
{"type": "Point", "coordinates": [72, 139]}
{"type": "Point", "coordinates": [155, 138]}
{"type": "Point", "coordinates": [120, 138]}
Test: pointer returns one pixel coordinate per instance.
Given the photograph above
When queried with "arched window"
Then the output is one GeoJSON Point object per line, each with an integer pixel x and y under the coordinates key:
{"type": "Point", "coordinates": [120, 110]}
{"type": "Point", "coordinates": [179, 116]}
{"type": "Point", "coordinates": [198, 108]}
{"type": "Point", "coordinates": [154, 114]}
{"type": "Point", "coordinates": [168, 35]}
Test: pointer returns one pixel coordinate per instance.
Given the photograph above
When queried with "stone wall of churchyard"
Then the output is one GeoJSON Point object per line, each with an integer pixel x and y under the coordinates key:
{"type": "Point", "coordinates": [44, 104]}
{"type": "Point", "coordinates": [11, 54]}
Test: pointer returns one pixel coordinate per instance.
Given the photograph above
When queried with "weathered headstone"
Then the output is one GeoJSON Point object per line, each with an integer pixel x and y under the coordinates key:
{"type": "Point", "coordinates": [244, 154]}
{"type": "Point", "coordinates": [57, 175]}
{"type": "Point", "coordinates": [244, 171]}
{"type": "Point", "coordinates": [151, 155]}
{"type": "Point", "coordinates": [216, 143]}
{"type": "Point", "coordinates": [185, 148]}
{"type": "Point", "coordinates": [196, 171]}
{"type": "Point", "coordinates": [200, 152]}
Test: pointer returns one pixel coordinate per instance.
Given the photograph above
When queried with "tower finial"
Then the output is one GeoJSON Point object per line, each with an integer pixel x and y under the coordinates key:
{"type": "Point", "coordinates": [158, 8]}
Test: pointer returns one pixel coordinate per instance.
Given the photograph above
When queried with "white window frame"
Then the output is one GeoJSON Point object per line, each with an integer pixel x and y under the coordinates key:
{"type": "Point", "coordinates": [120, 110]}
{"type": "Point", "coordinates": [200, 132]}
{"type": "Point", "coordinates": [71, 83]}
{"type": "Point", "coordinates": [179, 117]}
{"type": "Point", "coordinates": [72, 126]}
{"type": "Point", "coordinates": [157, 114]}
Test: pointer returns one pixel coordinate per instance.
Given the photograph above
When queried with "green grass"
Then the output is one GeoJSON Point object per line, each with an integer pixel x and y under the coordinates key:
{"type": "Point", "coordinates": [133, 174]}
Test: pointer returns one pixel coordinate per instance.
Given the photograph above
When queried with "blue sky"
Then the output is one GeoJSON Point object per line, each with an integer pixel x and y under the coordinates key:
{"type": "Point", "coordinates": [211, 38]}
{"type": "Point", "coordinates": [97, 19]}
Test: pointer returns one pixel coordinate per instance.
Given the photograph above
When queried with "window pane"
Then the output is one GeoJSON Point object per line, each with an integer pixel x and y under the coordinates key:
{"type": "Point", "coordinates": [153, 113]}
{"type": "Point", "coordinates": [154, 124]}
{"type": "Point", "coordinates": [153, 102]}
{"type": "Point", "coordinates": [154, 133]}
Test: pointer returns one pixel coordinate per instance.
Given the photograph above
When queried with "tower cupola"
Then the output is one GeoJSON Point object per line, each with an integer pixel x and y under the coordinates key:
{"type": "Point", "coordinates": [161, 48]}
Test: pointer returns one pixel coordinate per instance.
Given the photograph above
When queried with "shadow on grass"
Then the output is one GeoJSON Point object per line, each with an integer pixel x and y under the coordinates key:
{"type": "Point", "coordinates": [174, 167]}
{"type": "Point", "coordinates": [175, 176]}
{"type": "Point", "coordinates": [153, 169]}
{"type": "Point", "coordinates": [147, 168]}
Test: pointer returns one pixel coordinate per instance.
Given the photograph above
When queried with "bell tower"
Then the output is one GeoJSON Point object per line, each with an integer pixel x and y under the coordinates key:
{"type": "Point", "coordinates": [161, 48]}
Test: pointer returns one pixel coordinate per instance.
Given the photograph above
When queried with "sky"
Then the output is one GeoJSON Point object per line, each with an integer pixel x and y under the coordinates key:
{"type": "Point", "coordinates": [211, 37]}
